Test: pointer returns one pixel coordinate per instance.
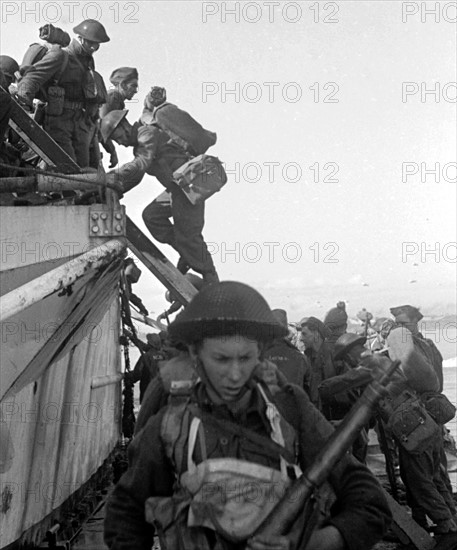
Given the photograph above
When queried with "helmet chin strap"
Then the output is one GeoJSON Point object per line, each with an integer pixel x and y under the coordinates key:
{"type": "Point", "coordinates": [88, 49]}
{"type": "Point", "coordinates": [206, 381]}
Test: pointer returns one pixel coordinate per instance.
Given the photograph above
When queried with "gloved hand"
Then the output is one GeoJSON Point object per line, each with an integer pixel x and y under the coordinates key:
{"type": "Point", "coordinates": [269, 543]}
{"type": "Point", "coordinates": [12, 89]}
{"type": "Point", "coordinates": [155, 97]}
{"type": "Point", "coordinates": [25, 104]}
{"type": "Point", "coordinates": [113, 179]}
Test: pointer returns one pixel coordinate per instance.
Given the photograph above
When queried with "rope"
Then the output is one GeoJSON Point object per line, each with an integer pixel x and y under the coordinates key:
{"type": "Point", "coordinates": [59, 175]}
{"type": "Point", "coordinates": [128, 416]}
{"type": "Point", "coordinates": [129, 332]}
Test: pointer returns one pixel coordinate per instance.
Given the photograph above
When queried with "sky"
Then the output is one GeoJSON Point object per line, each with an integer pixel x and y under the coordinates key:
{"type": "Point", "coordinates": [331, 118]}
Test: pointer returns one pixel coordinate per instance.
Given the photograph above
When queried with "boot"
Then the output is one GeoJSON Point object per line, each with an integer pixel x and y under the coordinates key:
{"type": "Point", "coordinates": [182, 265]}
{"type": "Point", "coordinates": [445, 526]}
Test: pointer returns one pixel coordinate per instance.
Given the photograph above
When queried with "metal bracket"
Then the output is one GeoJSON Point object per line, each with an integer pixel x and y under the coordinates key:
{"type": "Point", "coordinates": [106, 222]}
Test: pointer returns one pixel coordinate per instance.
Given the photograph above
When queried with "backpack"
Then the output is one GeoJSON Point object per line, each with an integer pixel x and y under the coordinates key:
{"type": "Point", "coordinates": [35, 52]}
{"type": "Point", "coordinates": [182, 129]}
{"type": "Point", "coordinates": [200, 178]}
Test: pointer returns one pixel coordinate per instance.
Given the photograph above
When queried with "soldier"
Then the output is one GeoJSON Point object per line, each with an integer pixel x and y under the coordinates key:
{"type": "Point", "coordinates": [8, 66]}
{"type": "Point", "coordinates": [293, 364]}
{"type": "Point", "coordinates": [408, 316]}
{"type": "Point", "coordinates": [156, 155]}
{"type": "Point", "coordinates": [147, 366]}
{"type": "Point", "coordinates": [339, 393]}
{"type": "Point", "coordinates": [67, 81]}
{"type": "Point", "coordinates": [319, 354]}
{"type": "Point", "coordinates": [195, 464]}
{"type": "Point", "coordinates": [336, 322]}
{"type": "Point", "coordinates": [125, 82]}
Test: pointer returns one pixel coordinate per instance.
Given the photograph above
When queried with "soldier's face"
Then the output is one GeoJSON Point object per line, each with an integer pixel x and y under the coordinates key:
{"type": "Point", "coordinates": [229, 363]}
{"type": "Point", "coordinates": [130, 88]}
{"type": "Point", "coordinates": [89, 46]}
{"type": "Point", "coordinates": [308, 337]}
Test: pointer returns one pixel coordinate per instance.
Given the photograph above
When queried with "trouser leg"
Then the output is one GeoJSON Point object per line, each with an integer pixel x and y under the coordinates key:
{"type": "Point", "coordinates": [83, 132]}
{"type": "Point", "coordinates": [156, 217]}
{"type": "Point", "coordinates": [419, 473]}
{"type": "Point", "coordinates": [60, 128]}
{"type": "Point", "coordinates": [444, 483]}
{"type": "Point", "coordinates": [5, 110]}
{"type": "Point", "coordinates": [189, 220]}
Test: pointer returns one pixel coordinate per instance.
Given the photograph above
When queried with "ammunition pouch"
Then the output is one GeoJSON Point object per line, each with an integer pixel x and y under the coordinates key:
{"type": "Point", "coordinates": [169, 517]}
{"type": "Point", "coordinates": [438, 406]}
{"type": "Point", "coordinates": [411, 424]}
{"type": "Point", "coordinates": [56, 100]}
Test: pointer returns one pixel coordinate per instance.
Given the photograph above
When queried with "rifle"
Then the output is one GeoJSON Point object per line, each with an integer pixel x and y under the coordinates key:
{"type": "Point", "coordinates": [298, 496]}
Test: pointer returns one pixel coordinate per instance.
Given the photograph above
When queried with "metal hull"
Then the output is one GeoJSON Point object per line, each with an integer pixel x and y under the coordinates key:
{"type": "Point", "coordinates": [60, 395]}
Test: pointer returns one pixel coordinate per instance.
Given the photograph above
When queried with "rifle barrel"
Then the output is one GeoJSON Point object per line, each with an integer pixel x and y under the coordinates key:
{"type": "Point", "coordinates": [282, 517]}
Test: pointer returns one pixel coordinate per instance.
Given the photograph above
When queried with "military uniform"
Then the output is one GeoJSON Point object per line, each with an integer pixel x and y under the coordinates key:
{"type": "Point", "coordinates": [293, 364]}
{"type": "Point", "coordinates": [323, 366]}
{"type": "Point", "coordinates": [155, 155]}
{"type": "Point", "coordinates": [335, 322]}
{"type": "Point", "coordinates": [74, 129]}
{"type": "Point", "coordinates": [426, 491]}
{"type": "Point", "coordinates": [361, 514]}
{"type": "Point", "coordinates": [6, 105]}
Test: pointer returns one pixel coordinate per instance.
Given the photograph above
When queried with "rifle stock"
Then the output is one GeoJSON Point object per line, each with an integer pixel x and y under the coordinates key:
{"type": "Point", "coordinates": [281, 519]}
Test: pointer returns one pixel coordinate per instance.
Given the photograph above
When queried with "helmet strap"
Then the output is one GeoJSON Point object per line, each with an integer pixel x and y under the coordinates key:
{"type": "Point", "coordinates": [200, 369]}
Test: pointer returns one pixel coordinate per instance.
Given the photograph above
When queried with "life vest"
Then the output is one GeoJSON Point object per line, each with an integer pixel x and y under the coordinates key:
{"type": "Point", "coordinates": [226, 497]}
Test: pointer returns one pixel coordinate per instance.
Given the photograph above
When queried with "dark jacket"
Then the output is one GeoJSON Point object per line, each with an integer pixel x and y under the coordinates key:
{"type": "Point", "coordinates": [361, 512]}
{"type": "Point", "coordinates": [154, 155]}
{"type": "Point", "coordinates": [290, 362]}
{"type": "Point", "coordinates": [323, 366]}
{"type": "Point", "coordinates": [74, 78]}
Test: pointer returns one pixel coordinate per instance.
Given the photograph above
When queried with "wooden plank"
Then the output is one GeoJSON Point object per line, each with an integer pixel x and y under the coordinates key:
{"type": "Point", "coordinates": [404, 524]}
{"type": "Point", "coordinates": [40, 141]}
{"type": "Point", "coordinates": [158, 264]}
{"type": "Point", "coordinates": [147, 320]}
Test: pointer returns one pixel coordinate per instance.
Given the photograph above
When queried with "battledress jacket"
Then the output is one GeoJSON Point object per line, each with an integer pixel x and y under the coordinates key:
{"type": "Point", "coordinates": [73, 78]}
{"type": "Point", "coordinates": [154, 155]}
{"type": "Point", "coordinates": [360, 513]}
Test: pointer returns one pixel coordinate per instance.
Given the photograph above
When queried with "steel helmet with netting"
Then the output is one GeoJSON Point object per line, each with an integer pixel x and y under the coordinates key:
{"type": "Point", "coordinates": [223, 309]}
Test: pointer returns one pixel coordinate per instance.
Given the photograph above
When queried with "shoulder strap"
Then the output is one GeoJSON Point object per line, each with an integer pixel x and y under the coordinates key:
{"type": "Point", "coordinates": [34, 53]}
{"type": "Point", "coordinates": [270, 448]}
{"type": "Point", "coordinates": [174, 431]}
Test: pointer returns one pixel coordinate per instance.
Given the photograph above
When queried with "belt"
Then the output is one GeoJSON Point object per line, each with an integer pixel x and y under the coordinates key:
{"type": "Point", "coordinates": [75, 105]}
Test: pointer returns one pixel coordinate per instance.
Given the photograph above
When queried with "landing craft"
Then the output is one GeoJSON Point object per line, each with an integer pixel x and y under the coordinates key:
{"type": "Point", "coordinates": [62, 282]}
